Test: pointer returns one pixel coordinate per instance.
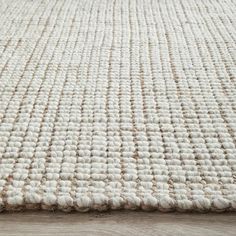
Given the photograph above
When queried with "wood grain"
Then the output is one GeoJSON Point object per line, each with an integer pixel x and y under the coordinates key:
{"type": "Point", "coordinates": [116, 223]}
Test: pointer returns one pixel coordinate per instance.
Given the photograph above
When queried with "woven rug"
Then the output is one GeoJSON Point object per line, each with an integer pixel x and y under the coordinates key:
{"type": "Point", "coordinates": [118, 104]}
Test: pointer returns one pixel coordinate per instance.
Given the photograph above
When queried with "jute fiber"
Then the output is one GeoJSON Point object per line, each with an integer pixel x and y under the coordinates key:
{"type": "Point", "coordinates": [109, 104]}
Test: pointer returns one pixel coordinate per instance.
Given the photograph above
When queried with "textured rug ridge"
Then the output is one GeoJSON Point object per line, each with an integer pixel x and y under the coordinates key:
{"type": "Point", "coordinates": [115, 104]}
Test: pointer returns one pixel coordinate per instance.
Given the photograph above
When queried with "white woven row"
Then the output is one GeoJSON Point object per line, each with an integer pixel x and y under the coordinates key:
{"type": "Point", "coordinates": [118, 104]}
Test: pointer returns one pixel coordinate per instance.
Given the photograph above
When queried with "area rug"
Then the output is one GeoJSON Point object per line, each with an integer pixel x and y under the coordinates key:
{"type": "Point", "coordinates": [118, 104]}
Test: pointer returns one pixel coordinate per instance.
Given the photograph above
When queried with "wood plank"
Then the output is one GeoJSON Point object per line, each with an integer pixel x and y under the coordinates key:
{"type": "Point", "coordinates": [116, 223]}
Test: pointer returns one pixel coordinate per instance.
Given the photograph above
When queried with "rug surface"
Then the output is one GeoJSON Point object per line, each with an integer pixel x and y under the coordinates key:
{"type": "Point", "coordinates": [109, 104]}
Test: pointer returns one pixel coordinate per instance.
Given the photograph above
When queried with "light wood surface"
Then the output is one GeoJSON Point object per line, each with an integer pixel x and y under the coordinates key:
{"type": "Point", "coordinates": [116, 223]}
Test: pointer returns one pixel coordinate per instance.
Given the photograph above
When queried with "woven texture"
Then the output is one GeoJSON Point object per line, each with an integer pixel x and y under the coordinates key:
{"type": "Point", "coordinates": [118, 104]}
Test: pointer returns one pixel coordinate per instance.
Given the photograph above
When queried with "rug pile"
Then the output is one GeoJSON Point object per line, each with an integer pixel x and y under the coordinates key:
{"type": "Point", "coordinates": [115, 104]}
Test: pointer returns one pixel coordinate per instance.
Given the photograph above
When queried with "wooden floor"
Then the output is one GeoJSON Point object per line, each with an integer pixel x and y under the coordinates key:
{"type": "Point", "coordinates": [116, 223]}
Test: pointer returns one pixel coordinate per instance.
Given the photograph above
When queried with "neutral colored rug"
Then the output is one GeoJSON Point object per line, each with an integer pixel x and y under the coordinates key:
{"type": "Point", "coordinates": [118, 104]}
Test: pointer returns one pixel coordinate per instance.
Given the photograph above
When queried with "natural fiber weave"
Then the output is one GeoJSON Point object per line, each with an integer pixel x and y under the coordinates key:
{"type": "Point", "coordinates": [118, 104]}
